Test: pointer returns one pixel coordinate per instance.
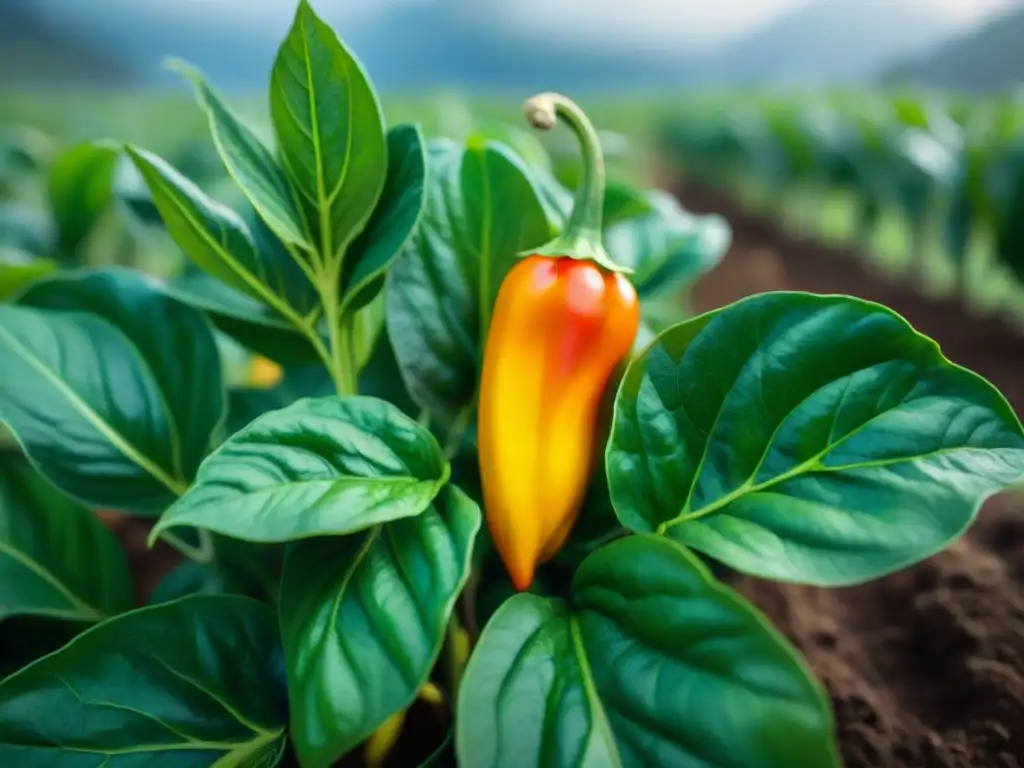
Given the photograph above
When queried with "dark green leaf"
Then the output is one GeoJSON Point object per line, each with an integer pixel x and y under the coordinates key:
{"type": "Point", "coordinates": [814, 439]}
{"type": "Point", "coordinates": [191, 578]}
{"type": "Point", "coordinates": [363, 619]}
{"type": "Point", "coordinates": [244, 255]}
{"type": "Point", "coordinates": [18, 269]}
{"type": "Point", "coordinates": [318, 467]}
{"type": "Point", "coordinates": [80, 185]}
{"type": "Point", "coordinates": [381, 377]}
{"type": "Point", "coordinates": [393, 220]}
{"type": "Point", "coordinates": [251, 165]}
{"type": "Point", "coordinates": [651, 663]}
{"type": "Point", "coordinates": [175, 343]}
{"type": "Point", "coordinates": [330, 131]}
{"type": "Point", "coordinates": [249, 322]}
{"type": "Point", "coordinates": [56, 559]}
{"type": "Point", "coordinates": [195, 682]}
{"type": "Point", "coordinates": [669, 248]}
{"type": "Point", "coordinates": [482, 209]}
{"type": "Point", "coordinates": [87, 409]}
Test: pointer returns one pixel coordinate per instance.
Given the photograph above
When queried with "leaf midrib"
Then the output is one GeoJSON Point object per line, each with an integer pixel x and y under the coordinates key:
{"type": "Point", "coordinates": [113, 436]}
{"type": "Point", "coordinates": [82, 609]}
{"type": "Point", "coordinates": [590, 689]}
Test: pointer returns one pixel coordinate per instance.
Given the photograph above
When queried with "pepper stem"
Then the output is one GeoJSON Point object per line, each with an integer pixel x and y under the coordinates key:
{"type": "Point", "coordinates": [581, 236]}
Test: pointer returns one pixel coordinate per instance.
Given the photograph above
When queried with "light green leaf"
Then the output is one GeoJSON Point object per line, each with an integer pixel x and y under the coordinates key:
{"type": "Point", "coordinates": [363, 619]}
{"type": "Point", "coordinates": [318, 467]}
{"type": "Point", "coordinates": [650, 663]}
{"type": "Point", "coordinates": [243, 254]}
{"type": "Point", "coordinates": [814, 439]}
{"type": "Point", "coordinates": [482, 209]}
{"type": "Point", "coordinates": [175, 343]}
{"type": "Point", "coordinates": [56, 559]}
{"type": "Point", "coordinates": [80, 185]}
{"type": "Point", "coordinates": [250, 164]}
{"type": "Point", "coordinates": [330, 131]}
{"type": "Point", "coordinates": [393, 220]}
{"type": "Point", "coordinates": [194, 682]}
{"type": "Point", "coordinates": [18, 269]}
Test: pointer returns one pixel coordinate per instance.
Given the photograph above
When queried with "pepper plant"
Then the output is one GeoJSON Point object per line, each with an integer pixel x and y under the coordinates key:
{"type": "Point", "coordinates": [337, 576]}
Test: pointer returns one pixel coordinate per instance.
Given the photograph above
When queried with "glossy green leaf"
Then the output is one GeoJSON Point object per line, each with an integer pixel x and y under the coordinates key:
{"type": "Point", "coordinates": [363, 619]}
{"type": "Point", "coordinates": [238, 568]}
{"type": "Point", "coordinates": [56, 559]}
{"type": "Point", "coordinates": [19, 269]}
{"type": "Point", "coordinates": [669, 248]}
{"type": "Point", "coordinates": [249, 322]}
{"type": "Point", "coordinates": [244, 255]}
{"type": "Point", "coordinates": [814, 439]}
{"type": "Point", "coordinates": [87, 409]}
{"type": "Point", "coordinates": [393, 220]}
{"type": "Point", "coordinates": [175, 343]}
{"type": "Point", "coordinates": [250, 164]}
{"type": "Point", "coordinates": [650, 662]}
{"type": "Point", "coordinates": [194, 682]}
{"type": "Point", "coordinates": [482, 209]}
{"type": "Point", "coordinates": [330, 131]}
{"type": "Point", "coordinates": [80, 186]}
{"type": "Point", "coordinates": [318, 467]}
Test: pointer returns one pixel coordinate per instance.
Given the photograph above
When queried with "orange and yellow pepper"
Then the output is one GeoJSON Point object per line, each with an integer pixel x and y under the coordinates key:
{"type": "Point", "coordinates": [565, 318]}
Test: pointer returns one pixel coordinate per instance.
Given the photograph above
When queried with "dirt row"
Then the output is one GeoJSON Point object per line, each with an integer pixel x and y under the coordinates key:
{"type": "Point", "coordinates": [925, 668]}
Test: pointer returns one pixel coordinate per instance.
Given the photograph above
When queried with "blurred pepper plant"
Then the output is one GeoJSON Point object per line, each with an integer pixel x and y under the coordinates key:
{"type": "Point", "coordinates": [340, 600]}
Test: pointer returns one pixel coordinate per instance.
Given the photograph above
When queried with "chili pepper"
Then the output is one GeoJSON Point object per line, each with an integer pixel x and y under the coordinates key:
{"type": "Point", "coordinates": [564, 319]}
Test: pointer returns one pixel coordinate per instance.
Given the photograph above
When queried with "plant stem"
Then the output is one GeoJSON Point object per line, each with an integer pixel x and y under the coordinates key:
{"type": "Point", "coordinates": [203, 554]}
{"type": "Point", "coordinates": [339, 360]}
{"type": "Point", "coordinates": [581, 238]}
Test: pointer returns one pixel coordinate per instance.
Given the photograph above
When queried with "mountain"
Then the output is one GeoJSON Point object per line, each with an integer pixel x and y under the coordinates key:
{"type": "Point", "coordinates": [449, 43]}
{"type": "Point", "coordinates": [990, 58]}
{"type": "Point", "coordinates": [404, 46]}
{"type": "Point", "coordinates": [831, 42]}
{"type": "Point", "coordinates": [35, 54]}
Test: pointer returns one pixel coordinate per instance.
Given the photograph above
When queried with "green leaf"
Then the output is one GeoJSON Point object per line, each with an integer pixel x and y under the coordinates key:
{"type": "Point", "coordinates": [87, 409]}
{"type": "Point", "coordinates": [814, 439]}
{"type": "Point", "coordinates": [318, 467]}
{"type": "Point", "coordinates": [482, 209]}
{"type": "Point", "coordinates": [81, 181]}
{"type": "Point", "coordinates": [249, 322]}
{"type": "Point", "coordinates": [669, 248]}
{"type": "Point", "coordinates": [175, 343]}
{"type": "Point", "coordinates": [56, 559]}
{"type": "Point", "coordinates": [650, 662]}
{"type": "Point", "coordinates": [250, 164]}
{"type": "Point", "coordinates": [19, 269]}
{"type": "Point", "coordinates": [363, 619]}
{"type": "Point", "coordinates": [393, 220]}
{"type": "Point", "coordinates": [194, 682]}
{"type": "Point", "coordinates": [244, 255]}
{"type": "Point", "coordinates": [623, 202]}
{"type": "Point", "coordinates": [330, 131]}
{"type": "Point", "coordinates": [381, 377]}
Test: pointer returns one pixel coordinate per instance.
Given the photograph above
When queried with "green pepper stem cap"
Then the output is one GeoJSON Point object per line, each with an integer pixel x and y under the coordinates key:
{"type": "Point", "coordinates": [581, 236]}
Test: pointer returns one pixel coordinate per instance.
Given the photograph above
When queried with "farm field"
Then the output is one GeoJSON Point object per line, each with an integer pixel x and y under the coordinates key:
{"type": "Point", "coordinates": [679, 429]}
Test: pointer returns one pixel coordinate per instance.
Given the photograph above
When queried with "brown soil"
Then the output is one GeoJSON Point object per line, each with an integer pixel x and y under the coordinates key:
{"type": "Point", "coordinates": [925, 668]}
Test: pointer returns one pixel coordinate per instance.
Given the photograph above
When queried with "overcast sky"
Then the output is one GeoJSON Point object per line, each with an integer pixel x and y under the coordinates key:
{"type": "Point", "coordinates": [669, 23]}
